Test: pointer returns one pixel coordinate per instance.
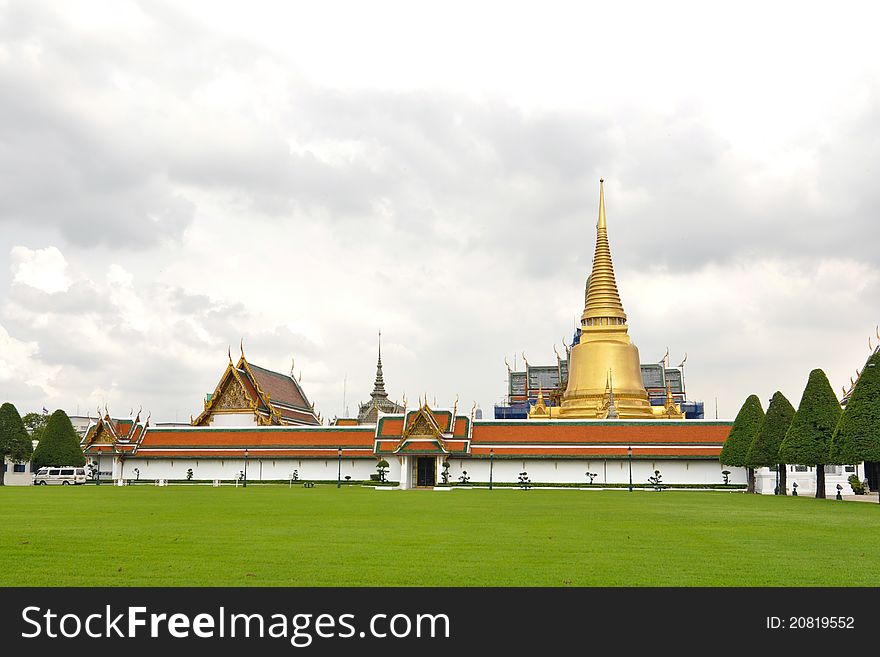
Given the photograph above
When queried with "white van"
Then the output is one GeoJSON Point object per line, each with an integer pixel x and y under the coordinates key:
{"type": "Point", "coordinates": [65, 475]}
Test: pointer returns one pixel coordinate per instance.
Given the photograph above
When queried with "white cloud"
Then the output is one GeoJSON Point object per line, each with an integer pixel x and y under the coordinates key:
{"type": "Point", "coordinates": [21, 367]}
{"type": "Point", "coordinates": [42, 269]}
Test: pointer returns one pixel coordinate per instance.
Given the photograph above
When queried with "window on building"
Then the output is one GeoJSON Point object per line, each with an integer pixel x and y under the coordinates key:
{"type": "Point", "coordinates": [4, 467]}
{"type": "Point", "coordinates": [18, 467]}
{"type": "Point", "coordinates": [800, 468]}
{"type": "Point", "coordinates": [849, 468]}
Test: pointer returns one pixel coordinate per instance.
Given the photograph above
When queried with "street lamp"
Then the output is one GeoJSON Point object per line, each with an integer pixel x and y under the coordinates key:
{"type": "Point", "coordinates": [244, 479]}
{"type": "Point", "coordinates": [629, 453]}
{"type": "Point", "coordinates": [339, 470]}
{"type": "Point", "coordinates": [491, 464]}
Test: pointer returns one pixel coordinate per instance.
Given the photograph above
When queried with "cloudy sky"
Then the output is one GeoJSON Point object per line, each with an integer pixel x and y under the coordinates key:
{"type": "Point", "coordinates": [177, 176]}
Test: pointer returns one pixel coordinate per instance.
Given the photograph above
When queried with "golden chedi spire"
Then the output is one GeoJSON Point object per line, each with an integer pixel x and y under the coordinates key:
{"type": "Point", "coordinates": [602, 298]}
{"type": "Point", "coordinates": [605, 352]}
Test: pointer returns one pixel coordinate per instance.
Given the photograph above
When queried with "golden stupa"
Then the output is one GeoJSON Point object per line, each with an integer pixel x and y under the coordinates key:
{"type": "Point", "coordinates": [604, 377]}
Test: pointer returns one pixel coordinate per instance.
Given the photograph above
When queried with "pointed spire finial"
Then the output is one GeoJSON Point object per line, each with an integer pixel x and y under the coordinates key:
{"type": "Point", "coordinates": [229, 353]}
{"type": "Point", "coordinates": [379, 384]}
{"type": "Point", "coordinates": [241, 346]}
{"type": "Point", "coordinates": [602, 306]}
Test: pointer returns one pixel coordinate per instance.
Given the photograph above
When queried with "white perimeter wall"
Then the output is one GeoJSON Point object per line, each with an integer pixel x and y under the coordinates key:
{"type": "Point", "coordinates": [504, 470]}
{"type": "Point", "coordinates": [607, 471]}
{"type": "Point", "coordinates": [257, 469]}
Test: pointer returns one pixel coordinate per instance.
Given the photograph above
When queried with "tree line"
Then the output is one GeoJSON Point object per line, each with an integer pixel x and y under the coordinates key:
{"type": "Point", "coordinates": [58, 441]}
{"type": "Point", "coordinates": [817, 434]}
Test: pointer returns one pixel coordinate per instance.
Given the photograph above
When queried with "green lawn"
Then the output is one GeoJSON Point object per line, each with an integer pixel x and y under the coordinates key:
{"type": "Point", "coordinates": [274, 536]}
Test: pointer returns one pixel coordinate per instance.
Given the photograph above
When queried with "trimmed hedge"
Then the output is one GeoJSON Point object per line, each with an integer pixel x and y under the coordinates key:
{"type": "Point", "coordinates": [59, 444]}
{"type": "Point", "coordinates": [857, 436]}
{"type": "Point", "coordinates": [764, 450]}
{"type": "Point", "coordinates": [14, 439]}
{"type": "Point", "coordinates": [808, 439]}
{"type": "Point", "coordinates": [742, 434]}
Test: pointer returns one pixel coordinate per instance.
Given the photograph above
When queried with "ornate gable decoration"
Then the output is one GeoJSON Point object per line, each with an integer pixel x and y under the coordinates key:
{"type": "Point", "coordinates": [229, 395]}
{"type": "Point", "coordinates": [232, 397]}
{"type": "Point", "coordinates": [421, 433]}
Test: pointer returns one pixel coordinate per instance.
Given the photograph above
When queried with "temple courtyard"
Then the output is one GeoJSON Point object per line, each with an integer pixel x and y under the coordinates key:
{"type": "Point", "coordinates": [195, 535]}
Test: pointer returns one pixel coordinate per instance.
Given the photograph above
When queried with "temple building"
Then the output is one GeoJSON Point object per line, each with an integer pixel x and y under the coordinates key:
{"type": "Point", "coordinates": [368, 412]}
{"type": "Point", "coordinates": [249, 395]}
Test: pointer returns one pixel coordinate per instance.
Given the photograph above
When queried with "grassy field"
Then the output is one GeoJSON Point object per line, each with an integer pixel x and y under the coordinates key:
{"type": "Point", "coordinates": [273, 536]}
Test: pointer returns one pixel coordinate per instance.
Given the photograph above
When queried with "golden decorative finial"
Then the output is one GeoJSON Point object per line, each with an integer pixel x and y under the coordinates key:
{"type": "Point", "coordinates": [870, 346]}
{"type": "Point", "coordinates": [149, 415]}
{"type": "Point", "coordinates": [540, 408]}
{"type": "Point", "coordinates": [602, 306]}
{"type": "Point", "coordinates": [556, 352]}
{"type": "Point", "coordinates": [299, 380]}
{"type": "Point", "coordinates": [508, 364]}
{"type": "Point", "coordinates": [241, 347]}
{"type": "Point", "coordinates": [524, 359]}
{"type": "Point", "coordinates": [229, 353]}
{"type": "Point", "coordinates": [683, 360]}
{"type": "Point", "coordinates": [843, 388]}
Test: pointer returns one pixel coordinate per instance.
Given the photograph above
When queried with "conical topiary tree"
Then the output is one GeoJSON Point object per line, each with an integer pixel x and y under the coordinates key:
{"type": "Point", "coordinates": [742, 434]}
{"type": "Point", "coordinates": [857, 436]}
{"type": "Point", "coordinates": [15, 442]}
{"type": "Point", "coordinates": [808, 439]}
{"type": "Point", "coordinates": [764, 451]}
{"type": "Point", "coordinates": [60, 443]}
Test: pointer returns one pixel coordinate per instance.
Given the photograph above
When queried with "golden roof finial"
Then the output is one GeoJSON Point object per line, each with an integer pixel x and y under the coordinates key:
{"type": "Point", "coordinates": [602, 298]}
{"type": "Point", "coordinates": [241, 347]}
{"type": "Point", "coordinates": [229, 353]}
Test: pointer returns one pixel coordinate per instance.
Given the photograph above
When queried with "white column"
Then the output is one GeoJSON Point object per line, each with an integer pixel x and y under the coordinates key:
{"type": "Point", "coordinates": [406, 473]}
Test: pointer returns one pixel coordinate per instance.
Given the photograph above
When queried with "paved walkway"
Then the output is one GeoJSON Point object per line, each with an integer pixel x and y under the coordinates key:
{"type": "Point", "coordinates": [867, 497]}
